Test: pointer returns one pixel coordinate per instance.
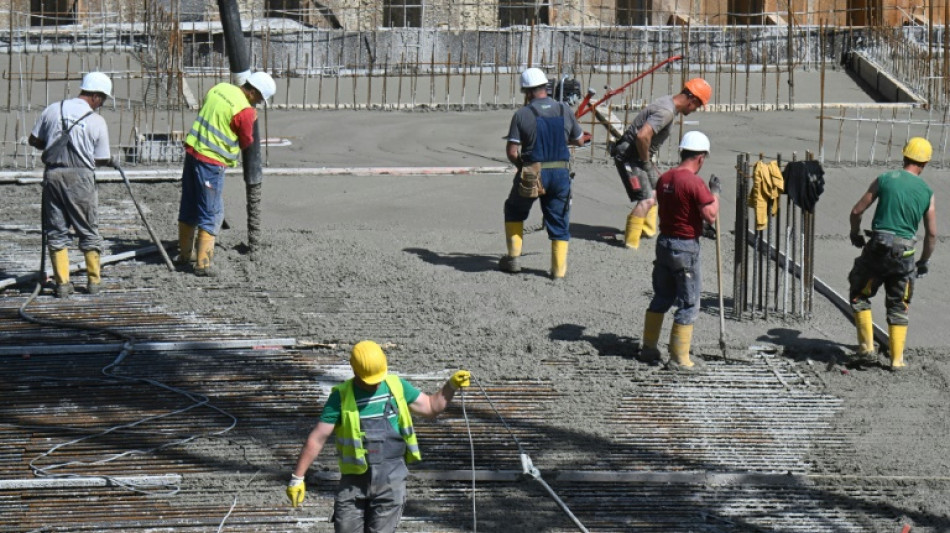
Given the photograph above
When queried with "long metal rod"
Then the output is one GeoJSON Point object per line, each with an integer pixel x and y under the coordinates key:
{"type": "Point", "coordinates": [105, 260]}
{"type": "Point", "coordinates": [151, 232]}
{"type": "Point", "coordinates": [59, 349]}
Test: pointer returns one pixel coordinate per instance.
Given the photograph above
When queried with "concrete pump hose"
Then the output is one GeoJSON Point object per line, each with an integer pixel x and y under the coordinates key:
{"type": "Point", "coordinates": [253, 191]}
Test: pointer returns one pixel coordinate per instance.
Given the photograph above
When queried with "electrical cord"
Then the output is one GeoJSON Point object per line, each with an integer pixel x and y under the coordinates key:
{"type": "Point", "coordinates": [471, 448]}
{"type": "Point", "coordinates": [128, 346]}
{"type": "Point", "coordinates": [528, 468]}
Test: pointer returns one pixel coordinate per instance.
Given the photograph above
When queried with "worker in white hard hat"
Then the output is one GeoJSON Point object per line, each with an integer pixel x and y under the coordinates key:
{"type": "Point", "coordinates": [538, 140]}
{"type": "Point", "coordinates": [684, 201]}
{"type": "Point", "coordinates": [74, 140]}
{"type": "Point", "coordinates": [903, 200]}
{"type": "Point", "coordinates": [370, 416]}
{"type": "Point", "coordinates": [636, 151]}
{"type": "Point", "coordinates": [224, 127]}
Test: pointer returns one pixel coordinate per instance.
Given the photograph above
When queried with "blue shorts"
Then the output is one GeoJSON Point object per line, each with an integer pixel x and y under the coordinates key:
{"type": "Point", "coordinates": [202, 191]}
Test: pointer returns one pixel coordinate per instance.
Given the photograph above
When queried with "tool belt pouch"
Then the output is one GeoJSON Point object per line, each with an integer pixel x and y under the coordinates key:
{"type": "Point", "coordinates": [530, 184]}
{"type": "Point", "coordinates": [893, 253]}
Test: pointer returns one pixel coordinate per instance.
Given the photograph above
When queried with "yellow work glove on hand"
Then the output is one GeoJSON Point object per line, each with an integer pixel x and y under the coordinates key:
{"type": "Point", "coordinates": [296, 490]}
{"type": "Point", "coordinates": [460, 379]}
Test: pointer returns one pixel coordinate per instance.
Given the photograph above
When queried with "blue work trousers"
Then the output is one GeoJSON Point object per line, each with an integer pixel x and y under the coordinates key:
{"type": "Point", "coordinates": [676, 279]}
{"type": "Point", "coordinates": [202, 191]}
{"type": "Point", "coordinates": [555, 203]}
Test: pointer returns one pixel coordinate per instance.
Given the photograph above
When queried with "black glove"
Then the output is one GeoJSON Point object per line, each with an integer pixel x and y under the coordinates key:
{"type": "Point", "coordinates": [715, 185]}
{"type": "Point", "coordinates": [923, 267]}
{"type": "Point", "coordinates": [857, 240]}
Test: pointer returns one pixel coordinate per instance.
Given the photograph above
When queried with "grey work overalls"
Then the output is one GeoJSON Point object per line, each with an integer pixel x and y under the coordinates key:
{"type": "Point", "coordinates": [372, 502]}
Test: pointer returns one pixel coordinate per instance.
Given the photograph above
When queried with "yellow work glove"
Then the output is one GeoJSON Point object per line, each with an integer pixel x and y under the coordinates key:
{"type": "Point", "coordinates": [460, 379]}
{"type": "Point", "coordinates": [296, 490]}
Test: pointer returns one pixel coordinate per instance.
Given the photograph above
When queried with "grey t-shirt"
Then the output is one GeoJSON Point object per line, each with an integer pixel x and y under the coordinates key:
{"type": "Point", "coordinates": [90, 136]}
{"type": "Point", "coordinates": [523, 127]}
{"type": "Point", "coordinates": [659, 116]}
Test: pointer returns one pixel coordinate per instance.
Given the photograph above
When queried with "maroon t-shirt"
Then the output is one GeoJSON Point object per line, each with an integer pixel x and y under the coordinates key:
{"type": "Point", "coordinates": [681, 196]}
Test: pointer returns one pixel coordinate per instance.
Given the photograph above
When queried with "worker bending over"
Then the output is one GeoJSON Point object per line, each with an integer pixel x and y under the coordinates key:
{"type": "Point", "coordinates": [537, 144]}
{"type": "Point", "coordinates": [370, 417]}
{"type": "Point", "coordinates": [636, 151]}
{"type": "Point", "coordinates": [224, 127]}
{"type": "Point", "coordinates": [74, 140]}
{"type": "Point", "coordinates": [684, 203]}
{"type": "Point", "coordinates": [903, 200]}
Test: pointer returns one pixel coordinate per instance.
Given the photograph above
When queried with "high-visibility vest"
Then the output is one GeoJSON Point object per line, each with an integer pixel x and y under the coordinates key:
{"type": "Point", "coordinates": [349, 437]}
{"type": "Point", "coordinates": [211, 134]}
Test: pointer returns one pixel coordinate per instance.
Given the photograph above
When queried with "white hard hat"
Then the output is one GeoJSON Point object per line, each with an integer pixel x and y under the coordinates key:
{"type": "Point", "coordinates": [263, 83]}
{"type": "Point", "coordinates": [97, 82]}
{"type": "Point", "coordinates": [695, 141]}
{"type": "Point", "coordinates": [533, 77]}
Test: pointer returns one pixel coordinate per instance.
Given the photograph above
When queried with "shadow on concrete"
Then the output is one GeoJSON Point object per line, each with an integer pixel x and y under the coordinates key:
{"type": "Point", "coordinates": [606, 344]}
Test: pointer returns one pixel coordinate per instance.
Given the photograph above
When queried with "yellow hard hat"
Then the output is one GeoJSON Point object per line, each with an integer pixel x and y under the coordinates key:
{"type": "Point", "coordinates": [918, 149]}
{"type": "Point", "coordinates": [368, 362]}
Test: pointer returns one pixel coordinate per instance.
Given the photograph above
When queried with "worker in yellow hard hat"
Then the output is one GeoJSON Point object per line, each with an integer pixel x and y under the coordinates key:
{"type": "Point", "coordinates": [370, 417]}
{"type": "Point", "coordinates": [635, 153]}
{"type": "Point", "coordinates": [887, 257]}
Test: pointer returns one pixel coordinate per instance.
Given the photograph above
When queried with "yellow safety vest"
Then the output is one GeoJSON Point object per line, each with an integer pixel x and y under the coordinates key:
{"type": "Point", "coordinates": [211, 134]}
{"type": "Point", "coordinates": [349, 438]}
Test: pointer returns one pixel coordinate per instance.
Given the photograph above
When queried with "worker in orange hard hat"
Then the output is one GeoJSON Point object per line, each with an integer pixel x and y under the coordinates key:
{"type": "Point", "coordinates": [369, 416]}
{"type": "Point", "coordinates": [635, 151]}
{"type": "Point", "coordinates": [904, 200]}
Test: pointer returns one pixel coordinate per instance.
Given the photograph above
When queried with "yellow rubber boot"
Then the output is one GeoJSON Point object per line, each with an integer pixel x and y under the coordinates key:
{"type": "Point", "coordinates": [680, 338]}
{"type": "Point", "coordinates": [865, 326]}
{"type": "Point", "coordinates": [649, 223]}
{"type": "Point", "coordinates": [93, 272]}
{"type": "Point", "coordinates": [652, 324]}
{"type": "Point", "coordinates": [514, 232]}
{"type": "Point", "coordinates": [60, 261]}
{"type": "Point", "coordinates": [631, 238]}
{"type": "Point", "coordinates": [898, 336]}
{"type": "Point", "coordinates": [186, 243]}
{"type": "Point", "coordinates": [205, 251]}
{"type": "Point", "coordinates": [513, 239]}
{"type": "Point", "coordinates": [558, 259]}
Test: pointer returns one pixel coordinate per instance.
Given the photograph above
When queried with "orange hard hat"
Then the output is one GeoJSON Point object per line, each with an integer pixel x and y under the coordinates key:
{"type": "Point", "coordinates": [699, 88]}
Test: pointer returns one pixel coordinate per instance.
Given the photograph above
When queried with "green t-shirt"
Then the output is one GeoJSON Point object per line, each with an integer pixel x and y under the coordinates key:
{"type": "Point", "coordinates": [902, 200]}
{"type": "Point", "coordinates": [370, 404]}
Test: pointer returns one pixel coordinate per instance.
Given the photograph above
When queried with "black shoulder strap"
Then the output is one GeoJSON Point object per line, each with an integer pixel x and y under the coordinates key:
{"type": "Point", "coordinates": [62, 118]}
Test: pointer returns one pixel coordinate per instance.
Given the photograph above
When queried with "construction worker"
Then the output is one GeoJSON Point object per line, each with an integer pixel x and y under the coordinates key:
{"type": "Point", "coordinates": [903, 200]}
{"type": "Point", "coordinates": [635, 154]}
{"type": "Point", "coordinates": [74, 140]}
{"type": "Point", "coordinates": [370, 416]}
{"type": "Point", "coordinates": [537, 144]}
{"type": "Point", "coordinates": [224, 127]}
{"type": "Point", "coordinates": [685, 202]}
